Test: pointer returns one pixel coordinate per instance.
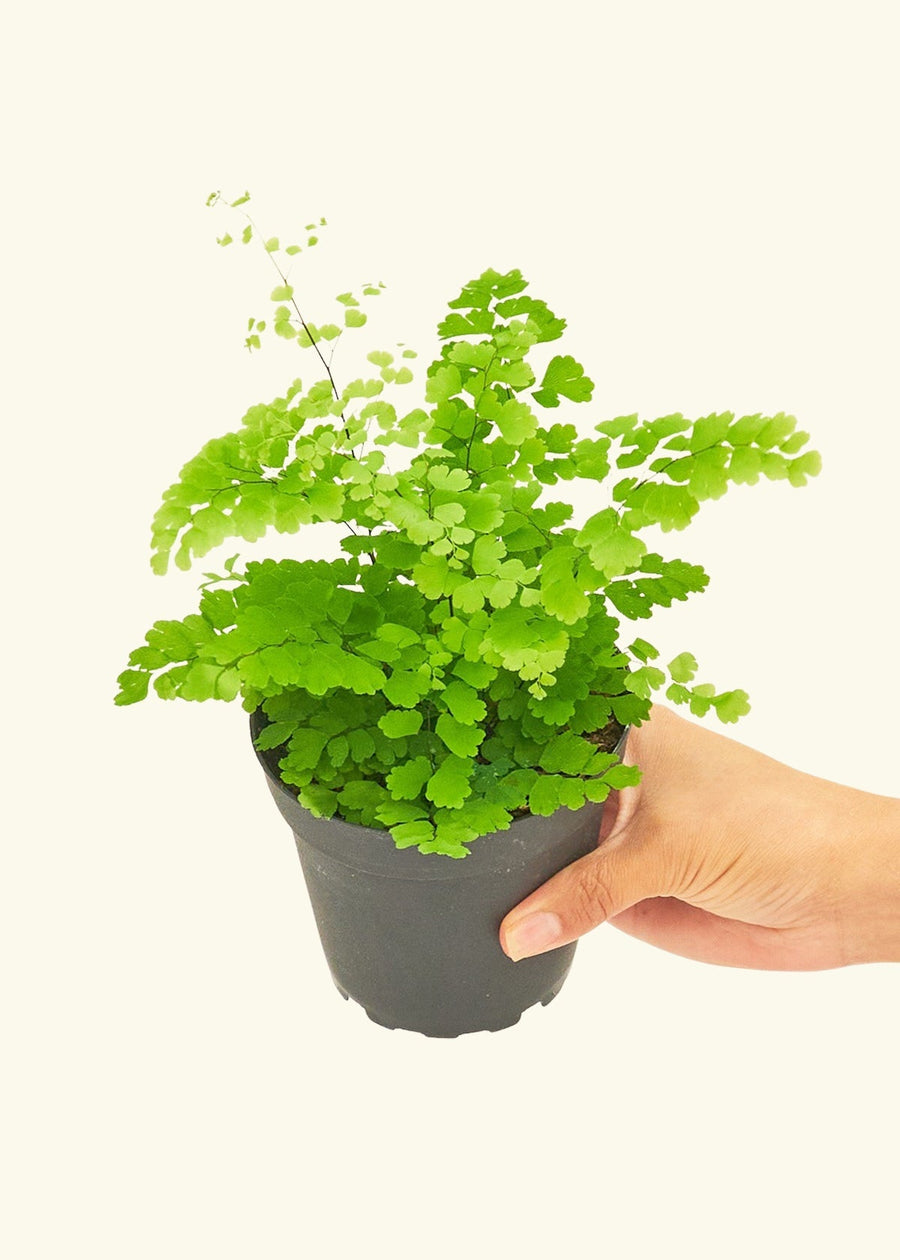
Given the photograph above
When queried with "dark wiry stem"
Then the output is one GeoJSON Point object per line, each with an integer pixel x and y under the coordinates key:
{"type": "Point", "coordinates": [314, 343]}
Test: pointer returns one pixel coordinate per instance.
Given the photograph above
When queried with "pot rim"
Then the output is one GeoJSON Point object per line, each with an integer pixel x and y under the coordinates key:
{"type": "Point", "coordinates": [372, 850]}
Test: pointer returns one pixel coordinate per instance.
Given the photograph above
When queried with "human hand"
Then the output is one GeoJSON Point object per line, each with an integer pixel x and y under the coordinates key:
{"type": "Point", "coordinates": [724, 855]}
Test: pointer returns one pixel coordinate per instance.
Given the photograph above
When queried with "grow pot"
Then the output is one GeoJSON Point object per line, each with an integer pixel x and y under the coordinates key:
{"type": "Point", "coordinates": [414, 938]}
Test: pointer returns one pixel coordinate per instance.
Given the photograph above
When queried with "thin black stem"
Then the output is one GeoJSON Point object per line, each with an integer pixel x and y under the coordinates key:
{"type": "Point", "coordinates": [477, 417]}
{"type": "Point", "coordinates": [681, 455]}
{"type": "Point", "coordinates": [303, 323]}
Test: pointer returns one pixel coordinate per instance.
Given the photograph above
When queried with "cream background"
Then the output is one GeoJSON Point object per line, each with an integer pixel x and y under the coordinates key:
{"type": "Point", "coordinates": [708, 193]}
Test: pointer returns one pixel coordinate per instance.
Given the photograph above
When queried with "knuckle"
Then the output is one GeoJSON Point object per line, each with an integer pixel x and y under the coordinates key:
{"type": "Point", "coordinates": [591, 902]}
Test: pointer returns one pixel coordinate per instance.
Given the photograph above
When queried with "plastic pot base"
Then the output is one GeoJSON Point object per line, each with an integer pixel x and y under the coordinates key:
{"type": "Point", "coordinates": [510, 1023]}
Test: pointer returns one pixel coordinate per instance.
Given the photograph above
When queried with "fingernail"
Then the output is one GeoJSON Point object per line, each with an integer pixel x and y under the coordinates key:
{"type": "Point", "coordinates": [532, 935]}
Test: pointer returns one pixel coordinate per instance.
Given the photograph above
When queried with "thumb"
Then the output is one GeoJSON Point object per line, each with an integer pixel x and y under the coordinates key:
{"type": "Point", "coordinates": [616, 875]}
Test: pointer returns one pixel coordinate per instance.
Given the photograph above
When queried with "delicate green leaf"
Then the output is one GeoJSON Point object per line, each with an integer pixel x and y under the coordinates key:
{"type": "Point", "coordinates": [487, 554]}
{"type": "Point", "coordinates": [710, 430]}
{"type": "Point", "coordinates": [794, 443]}
{"type": "Point", "coordinates": [807, 465]}
{"type": "Point", "coordinates": [148, 658]}
{"type": "Point", "coordinates": [515, 420]}
{"type": "Point", "coordinates": [621, 427]}
{"type": "Point", "coordinates": [702, 697]}
{"type": "Point", "coordinates": [443, 384]}
{"type": "Point", "coordinates": [405, 835]}
{"type": "Point", "coordinates": [446, 847]}
{"type": "Point", "coordinates": [652, 503]}
{"type": "Point", "coordinates": [464, 703]}
{"type": "Point", "coordinates": [228, 684]}
{"type": "Point", "coordinates": [564, 375]}
{"type": "Point", "coordinates": [408, 779]}
{"type": "Point", "coordinates": [561, 595]}
{"type": "Point", "coordinates": [731, 705]}
{"type": "Point", "coordinates": [450, 784]}
{"type": "Point", "coordinates": [133, 685]}
{"type": "Point", "coordinates": [544, 797]}
{"type": "Point", "coordinates": [451, 479]}
{"type": "Point", "coordinates": [460, 738]}
{"type": "Point", "coordinates": [745, 465]}
{"type": "Point", "coordinates": [400, 722]}
{"type": "Point", "coordinates": [746, 429]}
{"type": "Point", "coordinates": [708, 473]}
{"type": "Point", "coordinates": [645, 680]}
{"type": "Point", "coordinates": [619, 776]}
{"type": "Point", "coordinates": [476, 673]}
{"type": "Point", "coordinates": [306, 747]}
{"type": "Point", "coordinates": [678, 693]}
{"type": "Point", "coordinates": [320, 802]}
{"type": "Point", "coordinates": [611, 546]}
{"type": "Point", "coordinates": [683, 668]}
{"type": "Point", "coordinates": [405, 688]}
{"type": "Point", "coordinates": [338, 750]}
{"type": "Point", "coordinates": [362, 745]}
{"type": "Point", "coordinates": [567, 753]}
{"type": "Point", "coordinates": [275, 734]}
{"type": "Point", "coordinates": [775, 430]}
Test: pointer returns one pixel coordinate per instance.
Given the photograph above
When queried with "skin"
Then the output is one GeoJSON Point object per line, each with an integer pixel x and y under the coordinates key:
{"type": "Point", "coordinates": [724, 855]}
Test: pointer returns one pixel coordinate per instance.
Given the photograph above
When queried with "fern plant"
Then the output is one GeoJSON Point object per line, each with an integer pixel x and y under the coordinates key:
{"type": "Point", "coordinates": [462, 663]}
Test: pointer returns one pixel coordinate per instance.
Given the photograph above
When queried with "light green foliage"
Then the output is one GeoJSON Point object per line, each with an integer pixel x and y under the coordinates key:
{"type": "Point", "coordinates": [456, 665]}
{"type": "Point", "coordinates": [564, 377]}
{"type": "Point", "coordinates": [683, 668]}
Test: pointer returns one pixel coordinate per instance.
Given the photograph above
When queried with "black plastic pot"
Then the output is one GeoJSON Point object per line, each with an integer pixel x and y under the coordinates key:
{"type": "Point", "coordinates": [414, 938]}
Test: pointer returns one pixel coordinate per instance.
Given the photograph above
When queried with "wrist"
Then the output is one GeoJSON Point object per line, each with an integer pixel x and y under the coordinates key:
{"type": "Point", "coordinates": [872, 889]}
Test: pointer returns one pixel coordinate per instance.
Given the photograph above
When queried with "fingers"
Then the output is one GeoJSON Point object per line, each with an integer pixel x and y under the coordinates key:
{"type": "Point", "coordinates": [693, 933]}
{"type": "Point", "coordinates": [585, 894]}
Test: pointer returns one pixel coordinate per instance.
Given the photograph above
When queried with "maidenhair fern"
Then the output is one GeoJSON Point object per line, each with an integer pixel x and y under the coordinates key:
{"type": "Point", "coordinates": [455, 668]}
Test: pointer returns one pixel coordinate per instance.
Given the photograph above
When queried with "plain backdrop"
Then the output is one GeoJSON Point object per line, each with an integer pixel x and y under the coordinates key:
{"type": "Point", "coordinates": [708, 194]}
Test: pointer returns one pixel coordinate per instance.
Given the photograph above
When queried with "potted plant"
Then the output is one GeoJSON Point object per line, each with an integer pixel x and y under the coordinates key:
{"type": "Point", "coordinates": [440, 711]}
